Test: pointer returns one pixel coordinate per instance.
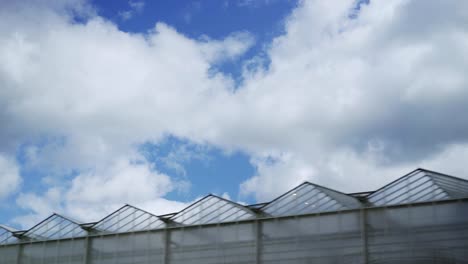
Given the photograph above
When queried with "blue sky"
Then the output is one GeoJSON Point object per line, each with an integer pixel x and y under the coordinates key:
{"type": "Point", "coordinates": [214, 19]}
{"type": "Point", "coordinates": [217, 171]}
{"type": "Point", "coordinates": [211, 169]}
{"type": "Point", "coordinates": [202, 168]}
{"type": "Point", "coordinates": [158, 103]}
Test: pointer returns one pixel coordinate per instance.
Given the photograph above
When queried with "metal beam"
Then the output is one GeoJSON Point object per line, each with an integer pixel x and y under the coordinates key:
{"type": "Point", "coordinates": [87, 253]}
{"type": "Point", "coordinates": [19, 253]}
{"type": "Point", "coordinates": [167, 246]}
{"type": "Point", "coordinates": [265, 218]}
{"type": "Point", "coordinates": [365, 244]}
{"type": "Point", "coordinates": [258, 242]}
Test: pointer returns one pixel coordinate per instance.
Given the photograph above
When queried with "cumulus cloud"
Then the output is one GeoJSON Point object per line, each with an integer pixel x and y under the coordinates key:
{"type": "Point", "coordinates": [10, 178]}
{"type": "Point", "coordinates": [136, 7]}
{"type": "Point", "coordinates": [92, 84]}
{"type": "Point", "coordinates": [346, 99]}
{"type": "Point", "coordinates": [229, 48]}
{"type": "Point", "coordinates": [358, 99]}
{"type": "Point", "coordinates": [82, 97]}
{"type": "Point", "coordinates": [343, 170]}
{"type": "Point", "coordinates": [93, 194]}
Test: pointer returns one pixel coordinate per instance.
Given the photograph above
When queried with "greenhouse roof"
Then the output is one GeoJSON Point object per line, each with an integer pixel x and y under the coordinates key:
{"type": "Point", "coordinates": [420, 186]}
{"type": "Point", "coordinates": [128, 218]}
{"type": "Point", "coordinates": [417, 186]}
{"type": "Point", "coordinates": [310, 198]}
{"type": "Point", "coordinates": [6, 235]}
{"type": "Point", "coordinates": [54, 227]}
{"type": "Point", "coordinates": [212, 209]}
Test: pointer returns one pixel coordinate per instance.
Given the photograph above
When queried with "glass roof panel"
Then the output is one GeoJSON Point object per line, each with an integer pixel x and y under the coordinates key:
{"type": "Point", "coordinates": [129, 218]}
{"type": "Point", "coordinates": [420, 186]}
{"type": "Point", "coordinates": [54, 227]}
{"type": "Point", "coordinates": [310, 198]}
{"type": "Point", "coordinates": [6, 235]}
{"type": "Point", "coordinates": [212, 209]}
{"type": "Point", "coordinates": [454, 187]}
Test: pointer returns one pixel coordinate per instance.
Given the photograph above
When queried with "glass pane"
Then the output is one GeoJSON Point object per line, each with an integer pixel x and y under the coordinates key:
{"type": "Point", "coordinates": [420, 186]}
{"type": "Point", "coordinates": [212, 209]}
{"type": "Point", "coordinates": [55, 227]}
{"type": "Point", "coordinates": [6, 236]}
{"type": "Point", "coordinates": [129, 218]}
{"type": "Point", "coordinates": [310, 198]}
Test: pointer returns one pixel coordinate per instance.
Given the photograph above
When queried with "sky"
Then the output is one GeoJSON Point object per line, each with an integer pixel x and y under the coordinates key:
{"type": "Point", "coordinates": [159, 103]}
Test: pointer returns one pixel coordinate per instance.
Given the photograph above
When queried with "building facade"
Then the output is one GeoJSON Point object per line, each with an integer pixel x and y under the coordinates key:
{"type": "Point", "coordinates": [420, 218]}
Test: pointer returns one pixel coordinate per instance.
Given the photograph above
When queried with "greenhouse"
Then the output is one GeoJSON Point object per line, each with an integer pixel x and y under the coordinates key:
{"type": "Point", "coordinates": [421, 217]}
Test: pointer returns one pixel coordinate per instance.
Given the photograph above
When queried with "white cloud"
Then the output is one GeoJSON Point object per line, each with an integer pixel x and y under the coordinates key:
{"type": "Point", "coordinates": [99, 91]}
{"type": "Point", "coordinates": [182, 153]}
{"type": "Point", "coordinates": [347, 103]}
{"type": "Point", "coordinates": [124, 182]}
{"type": "Point", "coordinates": [136, 7]}
{"type": "Point", "coordinates": [93, 194]}
{"type": "Point", "coordinates": [344, 170]}
{"type": "Point", "coordinates": [352, 103]}
{"type": "Point", "coordinates": [96, 93]}
{"type": "Point", "coordinates": [10, 178]}
{"type": "Point", "coordinates": [229, 48]}
{"type": "Point", "coordinates": [41, 206]}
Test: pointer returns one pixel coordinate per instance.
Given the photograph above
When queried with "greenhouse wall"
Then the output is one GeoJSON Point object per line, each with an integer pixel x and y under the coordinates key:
{"type": "Point", "coordinates": [430, 232]}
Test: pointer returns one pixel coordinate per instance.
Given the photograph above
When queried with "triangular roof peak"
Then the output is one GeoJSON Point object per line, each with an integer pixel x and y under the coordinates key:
{"type": "Point", "coordinates": [212, 209]}
{"type": "Point", "coordinates": [7, 235]}
{"type": "Point", "coordinates": [128, 218]}
{"type": "Point", "coordinates": [53, 227]}
{"type": "Point", "coordinates": [309, 198]}
{"type": "Point", "coordinates": [67, 218]}
{"type": "Point", "coordinates": [420, 185]}
{"type": "Point", "coordinates": [7, 228]}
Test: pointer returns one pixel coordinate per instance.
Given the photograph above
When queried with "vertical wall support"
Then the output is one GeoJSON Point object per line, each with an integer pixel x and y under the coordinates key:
{"type": "Point", "coordinates": [19, 253]}
{"type": "Point", "coordinates": [167, 245]}
{"type": "Point", "coordinates": [258, 242]}
{"type": "Point", "coordinates": [365, 244]}
{"type": "Point", "coordinates": [87, 254]}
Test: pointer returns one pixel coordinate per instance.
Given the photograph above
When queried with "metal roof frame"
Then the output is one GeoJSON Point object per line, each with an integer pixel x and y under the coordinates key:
{"type": "Point", "coordinates": [317, 199]}
{"type": "Point", "coordinates": [210, 216]}
{"type": "Point", "coordinates": [7, 235]}
{"type": "Point", "coordinates": [132, 224]}
{"type": "Point", "coordinates": [427, 185]}
{"type": "Point", "coordinates": [33, 233]}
